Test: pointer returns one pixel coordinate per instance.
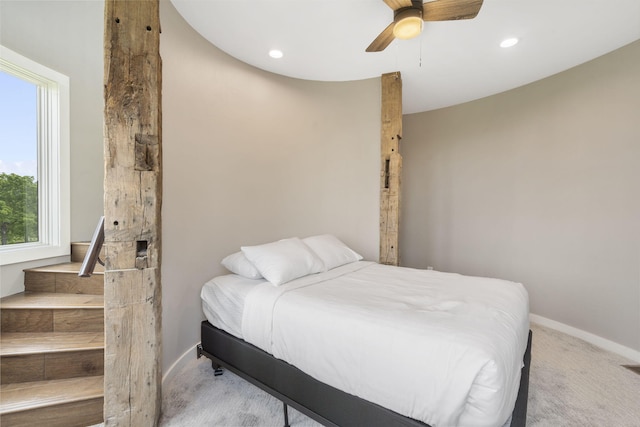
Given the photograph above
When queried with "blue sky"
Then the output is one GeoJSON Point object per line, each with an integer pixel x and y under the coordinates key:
{"type": "Point", "coordinates": [18, 121]}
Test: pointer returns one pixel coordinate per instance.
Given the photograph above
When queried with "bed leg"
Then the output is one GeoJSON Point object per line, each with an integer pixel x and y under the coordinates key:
{"type": "Point", "coordinates": [286, 415]}
{"type": "Point", "coordinates": [217, 369]}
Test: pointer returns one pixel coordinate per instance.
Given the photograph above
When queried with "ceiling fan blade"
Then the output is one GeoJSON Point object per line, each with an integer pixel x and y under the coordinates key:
{"type": "Point", "coordinates": [383, 40]}
{"type": "Point", "coordinates": [447, 10]}
{"type": "Point", "coordinates": [398, 4]}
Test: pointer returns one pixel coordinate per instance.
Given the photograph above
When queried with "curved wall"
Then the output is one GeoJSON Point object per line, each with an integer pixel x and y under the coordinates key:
{"type": "Point", "coordinates": [251, 157]}
{"type": "Point", "coordinates": [540, 185]}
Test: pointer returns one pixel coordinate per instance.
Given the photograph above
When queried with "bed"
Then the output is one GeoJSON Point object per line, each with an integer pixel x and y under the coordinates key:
{"type": "Point", "coordinates": [351, 342]}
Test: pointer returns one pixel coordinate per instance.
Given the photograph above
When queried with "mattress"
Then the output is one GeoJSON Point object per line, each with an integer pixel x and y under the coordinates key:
{"type": "Point", "coordinates": [441, 348]}
{"type": "Point", "coordinates": [223, 301]}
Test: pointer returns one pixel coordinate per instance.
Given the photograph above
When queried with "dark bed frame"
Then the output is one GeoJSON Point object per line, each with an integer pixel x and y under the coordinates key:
{"type": "Point", "coordinates": [321, 402]}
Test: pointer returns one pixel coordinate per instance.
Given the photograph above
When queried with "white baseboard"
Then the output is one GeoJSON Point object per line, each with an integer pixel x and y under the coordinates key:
{"type": "Point", "coordinates": [177, 366]}
{"type": "Point", "coordinates": [611, 346]}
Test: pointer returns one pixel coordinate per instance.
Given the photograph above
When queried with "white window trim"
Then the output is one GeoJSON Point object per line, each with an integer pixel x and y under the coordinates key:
{"type": "Point", "coordinates": [53, 161]}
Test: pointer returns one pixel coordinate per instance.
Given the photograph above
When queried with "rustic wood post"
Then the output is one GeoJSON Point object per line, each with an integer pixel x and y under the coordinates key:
{"type": "Point", "coordinates": [391, 168]}
{"type": "Point", "coordinates": [132, 201]}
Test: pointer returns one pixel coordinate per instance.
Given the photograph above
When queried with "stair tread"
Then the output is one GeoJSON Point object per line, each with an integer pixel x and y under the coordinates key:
{"type": "Point", "coordinates": [21, 343]}
{"type": "Point", "coordinates": [67, 267]}
{"type": "Point", "coordinates": [17, 397]}
{"type": "Point", "coordinates": [48, 300]}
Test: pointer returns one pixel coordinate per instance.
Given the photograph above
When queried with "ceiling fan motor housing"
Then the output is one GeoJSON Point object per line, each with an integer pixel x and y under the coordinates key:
{"type": "Point", "coordinates": [408, 22]}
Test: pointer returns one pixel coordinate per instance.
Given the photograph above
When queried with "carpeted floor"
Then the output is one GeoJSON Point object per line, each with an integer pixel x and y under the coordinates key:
{"type": "Point", "coordinates": [572, 383]}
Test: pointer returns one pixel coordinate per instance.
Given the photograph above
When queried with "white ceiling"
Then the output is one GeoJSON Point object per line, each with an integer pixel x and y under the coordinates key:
{"type": "Point", "coordinates": [450, 63]}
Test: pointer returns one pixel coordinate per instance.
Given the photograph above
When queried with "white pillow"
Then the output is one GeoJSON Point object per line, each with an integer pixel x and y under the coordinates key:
{"type": "Point", "coordinates": [282, 261]}
{"type": "Point", "coordinates": [239, 264]}
{"type": "Point", "coordinates": [331, 250]}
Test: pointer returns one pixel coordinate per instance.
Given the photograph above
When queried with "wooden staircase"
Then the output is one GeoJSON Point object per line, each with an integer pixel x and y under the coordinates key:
{"type": "Point", "coordinates": [52, 348]}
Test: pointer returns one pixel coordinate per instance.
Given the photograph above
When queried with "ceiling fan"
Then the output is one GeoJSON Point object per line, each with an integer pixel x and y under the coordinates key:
{"type": "Point", "coordinates": [409, 14]}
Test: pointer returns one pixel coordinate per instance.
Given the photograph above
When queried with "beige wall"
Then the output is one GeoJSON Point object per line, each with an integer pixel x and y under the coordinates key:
{"type": "Point", "coordinates": [65, 36]}
{"type": "Point", "coordinates": [251, 157]}
{"type": "Point", "coordinates": [539, 185]}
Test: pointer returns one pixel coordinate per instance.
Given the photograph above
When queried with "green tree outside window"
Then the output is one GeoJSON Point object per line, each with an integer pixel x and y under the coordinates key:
{"type": "Point", "coordinates": [18, 209]}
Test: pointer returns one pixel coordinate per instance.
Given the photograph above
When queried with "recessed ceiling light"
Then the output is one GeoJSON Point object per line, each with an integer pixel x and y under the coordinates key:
{"type": "Point", "coordinates": [511, 41]}
{"type": "Point", "coordinates": [275, 53]}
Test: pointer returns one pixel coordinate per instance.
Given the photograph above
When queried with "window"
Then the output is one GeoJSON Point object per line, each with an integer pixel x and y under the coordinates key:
{"type": "Point", "coordinates": [34, 160]}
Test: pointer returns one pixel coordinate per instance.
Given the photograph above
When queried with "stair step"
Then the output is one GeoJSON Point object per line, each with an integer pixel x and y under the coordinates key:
{"type": "Point", "coordinates": [68, 402]}
{"type": "Point", "coordinates": [48, 300]}
{"type": "Point", "coordinates": [63, 278]}
{"type": "Point", "coordinates": [52, 312]}
{"type": "Point", "coordinates": [79, 250]}
{"type": "Point", "coordinates": [46, 356]}
{"type": "Point", "coordinates": [52, 347]}
{"type": "Point", "coordinates": [21, 343]}
{"type": "Point", "coordinates": [65, 267]}
{"type": "Point", "coordinates": [36, 394]}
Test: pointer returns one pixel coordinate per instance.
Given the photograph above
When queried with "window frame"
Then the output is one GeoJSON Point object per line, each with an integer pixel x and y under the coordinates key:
{"type": "Point", "coordinates": [54, 218]}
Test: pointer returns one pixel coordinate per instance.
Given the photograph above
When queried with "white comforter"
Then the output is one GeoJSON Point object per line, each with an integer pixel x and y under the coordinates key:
{"type": "Point", "coordinates": [441, 348]}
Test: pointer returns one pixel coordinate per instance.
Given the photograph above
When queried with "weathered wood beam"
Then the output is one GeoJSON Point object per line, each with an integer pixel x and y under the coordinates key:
{"type": "Point", "coordinates": [391, 168]}
{"type": "Point", "coordinates": [133, 199]}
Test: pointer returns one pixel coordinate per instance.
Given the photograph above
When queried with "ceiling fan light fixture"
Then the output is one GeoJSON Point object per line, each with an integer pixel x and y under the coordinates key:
{"type": "Point", "coordinates": [408, 24]}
